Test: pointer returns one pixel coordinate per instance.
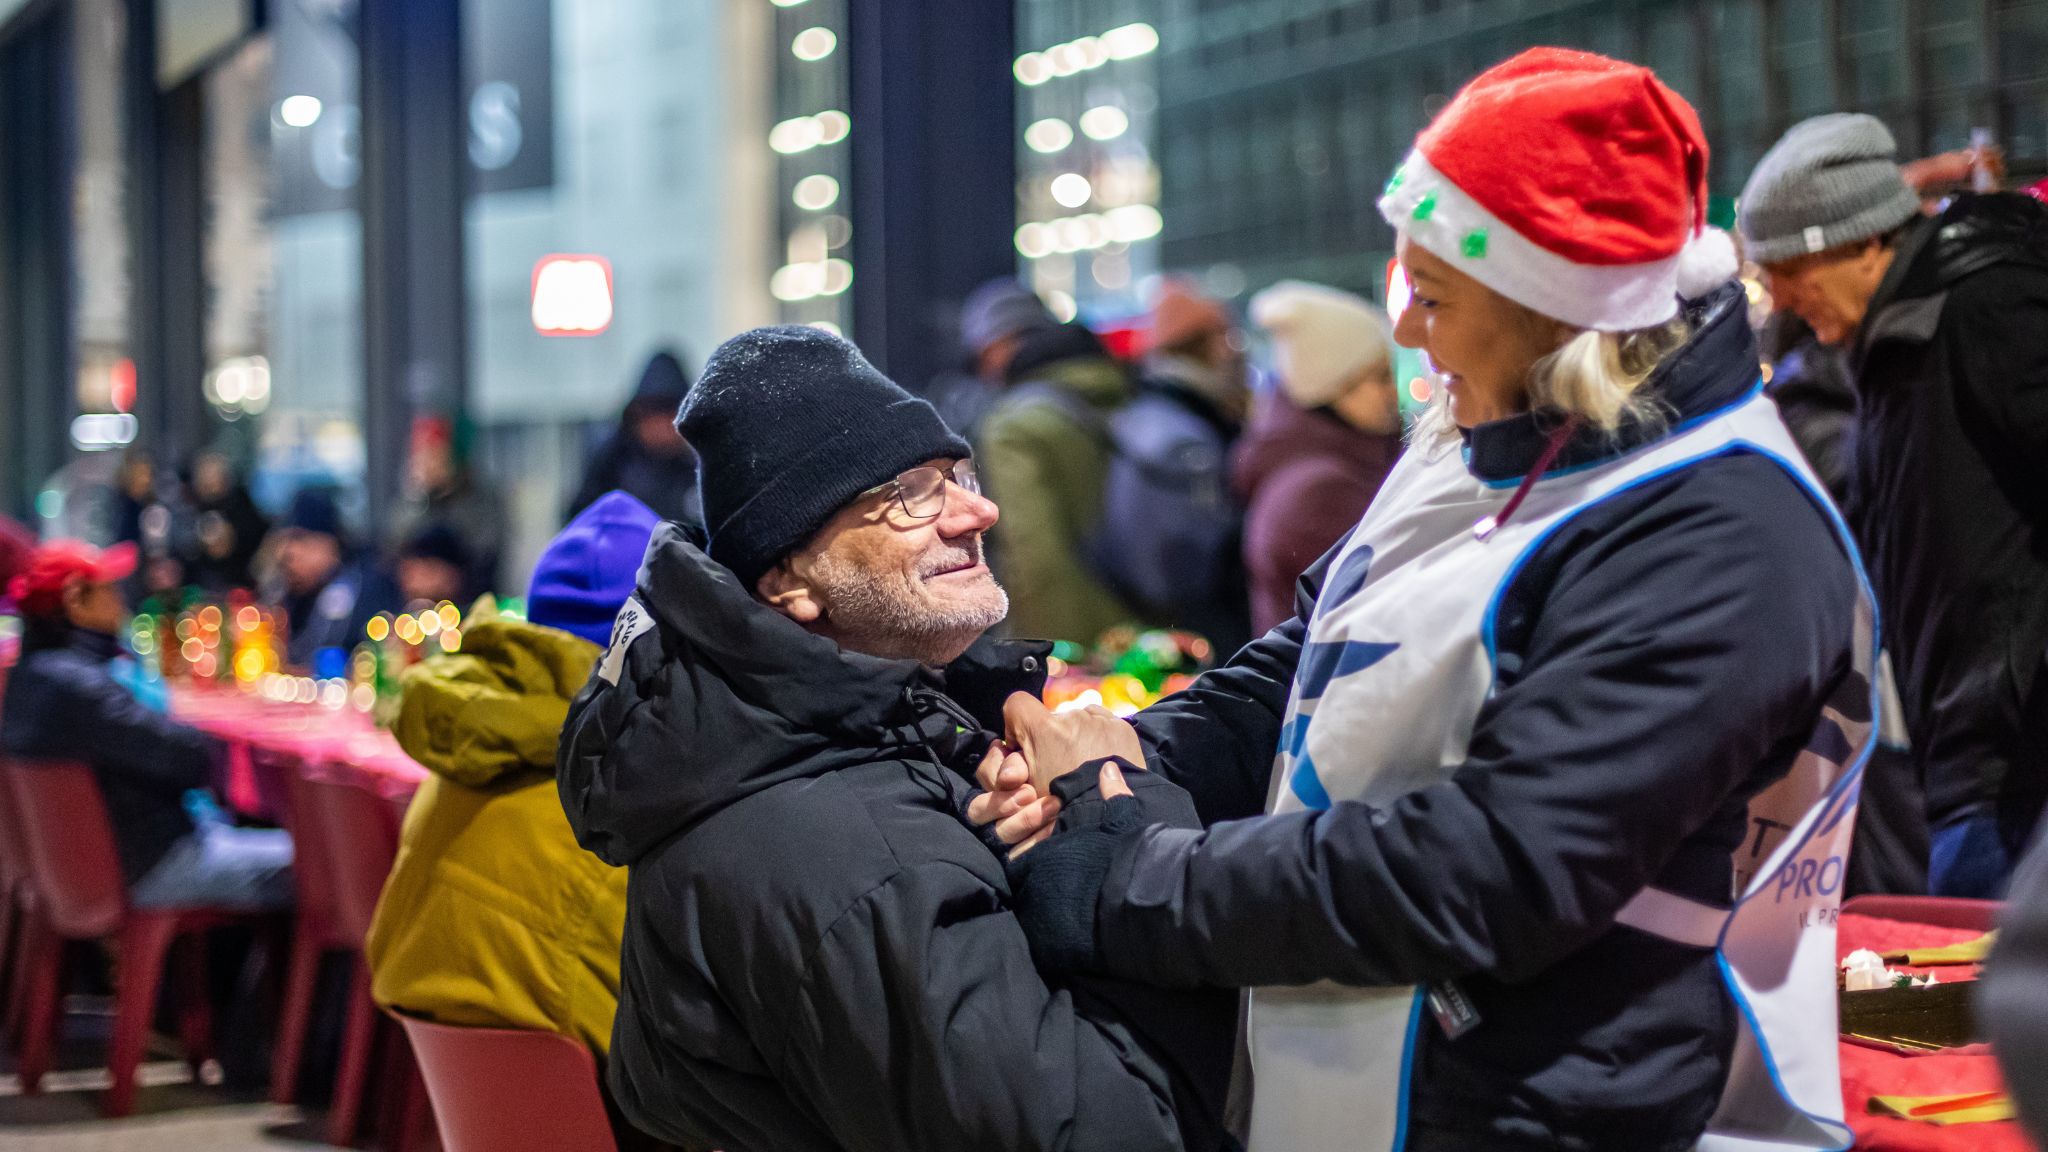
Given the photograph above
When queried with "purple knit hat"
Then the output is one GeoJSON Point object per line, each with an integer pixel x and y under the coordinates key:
{"type": "Point", "coordinates": [588, 570]}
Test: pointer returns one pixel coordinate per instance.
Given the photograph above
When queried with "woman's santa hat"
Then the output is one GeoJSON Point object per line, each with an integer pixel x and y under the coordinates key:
{"type": "Point", "coordinates": [1572, 184]}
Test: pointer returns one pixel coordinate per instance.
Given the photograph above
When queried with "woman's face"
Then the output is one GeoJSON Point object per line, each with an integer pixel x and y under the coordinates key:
{"type": "Point", "coordinates": [1481, 343]}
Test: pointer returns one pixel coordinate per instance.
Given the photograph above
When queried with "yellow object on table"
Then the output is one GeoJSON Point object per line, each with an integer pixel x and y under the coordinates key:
{"type": "Point", "coordinates": [1968, 1108]}
{"type": "Point", "coordinates": [1967, 952]}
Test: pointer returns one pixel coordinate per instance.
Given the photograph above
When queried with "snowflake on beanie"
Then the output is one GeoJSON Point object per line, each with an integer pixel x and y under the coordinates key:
{"type": "Point", "coordinates": [1570, 183]}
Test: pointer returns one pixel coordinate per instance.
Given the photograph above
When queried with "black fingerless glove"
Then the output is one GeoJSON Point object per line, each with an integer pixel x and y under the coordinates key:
{"type": "Point", "coordinates": [1054, 886]}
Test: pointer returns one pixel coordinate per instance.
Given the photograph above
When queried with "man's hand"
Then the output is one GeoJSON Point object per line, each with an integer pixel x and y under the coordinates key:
{"type": "Point", "coordinates": [1009, 798]}
{"type": "Point", "coordinates": [1054, 744]}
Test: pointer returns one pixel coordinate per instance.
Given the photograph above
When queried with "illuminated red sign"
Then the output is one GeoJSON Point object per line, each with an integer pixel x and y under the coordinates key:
{"type": "Point", "coordinates": [572, 295]}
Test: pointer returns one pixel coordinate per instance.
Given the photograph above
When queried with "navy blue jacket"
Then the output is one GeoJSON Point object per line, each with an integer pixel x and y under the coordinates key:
{"type": "Point", "coordinates": [1663, 656]}
{"type": "Point", "coordinates": [63, 703]}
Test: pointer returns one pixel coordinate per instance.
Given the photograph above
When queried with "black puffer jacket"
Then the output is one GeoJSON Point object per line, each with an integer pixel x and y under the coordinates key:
{"type": "Point", "coordinates": [1662, 656]}
{"type": "Point", "coordinates": [1949, 500]}
{"type": "Point", "coordinates": [819, 951]}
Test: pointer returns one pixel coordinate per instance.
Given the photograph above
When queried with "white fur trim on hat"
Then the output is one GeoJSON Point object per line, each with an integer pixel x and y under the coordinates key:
{"type": "Point", "coordinates": [1324, 341]}
{"type": "Point", "coordinates": [1438, 215]}
{"type": "Point", "coordinates": [1706, 262]}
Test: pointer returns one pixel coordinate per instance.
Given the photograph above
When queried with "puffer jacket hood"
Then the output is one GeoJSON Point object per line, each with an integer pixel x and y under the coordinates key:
{"type": "Point", "coordinates": [495, 710]}
{"type": "Point", "coordinates": [738, 698]}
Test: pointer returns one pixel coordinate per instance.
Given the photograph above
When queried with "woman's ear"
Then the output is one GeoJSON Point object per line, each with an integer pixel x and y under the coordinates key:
{"type": "Point", "coordinates": [790, 594]}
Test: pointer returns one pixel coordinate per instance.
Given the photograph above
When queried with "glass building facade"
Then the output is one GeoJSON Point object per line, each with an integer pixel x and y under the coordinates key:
{"type": "Point", "coordinates": [1088, 132]}
{"type": "Point", "coordinates": [632, 133]}
{"type": "Point", "coordinates": [1279, 120]}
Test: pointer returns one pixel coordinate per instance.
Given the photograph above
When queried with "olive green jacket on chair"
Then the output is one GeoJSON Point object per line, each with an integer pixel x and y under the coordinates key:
{"type": "Point", "coordinates": [493, 916]}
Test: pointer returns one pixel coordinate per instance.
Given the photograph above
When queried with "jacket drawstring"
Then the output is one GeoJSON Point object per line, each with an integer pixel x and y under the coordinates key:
{"type": "Point", "coordinates": [1488, 525]}
{"type": "Point", "coordinates": [922, 702]}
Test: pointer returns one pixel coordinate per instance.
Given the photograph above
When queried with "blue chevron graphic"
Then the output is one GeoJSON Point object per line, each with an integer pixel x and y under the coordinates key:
{"type": "Point", "coordinates": [1321, 664]}
{"type": "Point", "coordinates": [1345, 582]}
{"type": "Point", "coordinates": [1308, 787]}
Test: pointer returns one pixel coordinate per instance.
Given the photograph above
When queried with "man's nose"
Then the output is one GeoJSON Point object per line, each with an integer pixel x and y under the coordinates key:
{"type": "Point", "coordinates": [966, 512]}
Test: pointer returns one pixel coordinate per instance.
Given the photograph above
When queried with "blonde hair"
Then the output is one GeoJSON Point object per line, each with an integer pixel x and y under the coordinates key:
{"type": "Point", "coordinates": [1595, 376]}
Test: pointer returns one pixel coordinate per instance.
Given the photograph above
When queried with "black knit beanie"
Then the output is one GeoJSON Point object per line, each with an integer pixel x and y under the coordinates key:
{"type": "Point", "coordinates": [790, 424]}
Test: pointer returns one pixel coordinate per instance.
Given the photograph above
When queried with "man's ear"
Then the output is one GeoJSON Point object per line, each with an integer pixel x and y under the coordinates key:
{"type": "Point", "coordinates": [783, 590]}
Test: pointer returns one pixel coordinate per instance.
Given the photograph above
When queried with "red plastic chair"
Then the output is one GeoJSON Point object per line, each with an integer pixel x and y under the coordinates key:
{"type": "Point", "coordinates": [1941, 911]}
{"type": "Point", "coordinates": [82, 896]}
{"type": "Point", "coordinates": [18, 917]}
{"type": "Point", "coordinates": [314, 931]}
{"type": "Point", "coordinates": [554, 1104]}
{"type": "Point", "coordinates": [354, 834]}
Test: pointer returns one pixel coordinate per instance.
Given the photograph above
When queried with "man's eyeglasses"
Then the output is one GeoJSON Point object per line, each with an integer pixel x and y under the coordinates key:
{"type": "Point", "coordinates": [921, 491]}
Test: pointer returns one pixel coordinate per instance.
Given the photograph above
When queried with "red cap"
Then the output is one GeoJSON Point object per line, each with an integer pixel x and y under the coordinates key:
{"type": "Point", "coordinates": [39, 588]}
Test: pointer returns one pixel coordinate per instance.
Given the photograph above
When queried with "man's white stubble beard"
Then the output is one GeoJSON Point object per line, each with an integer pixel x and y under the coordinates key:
{"type": "Point", "coordinates": [893, 614]}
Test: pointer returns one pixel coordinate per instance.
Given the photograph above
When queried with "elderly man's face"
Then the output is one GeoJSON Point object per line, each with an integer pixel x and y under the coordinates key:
{"type": "Point", "coordinates": [1830, 290]}
{"type": "Point", "coordinates": [894, 577]}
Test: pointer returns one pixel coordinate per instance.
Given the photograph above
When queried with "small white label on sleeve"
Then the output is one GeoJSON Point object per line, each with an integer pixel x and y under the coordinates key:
{"type": "Point", "coordinates": [633, 619]}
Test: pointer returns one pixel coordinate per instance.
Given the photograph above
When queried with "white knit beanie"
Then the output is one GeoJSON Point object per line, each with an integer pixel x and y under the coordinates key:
{"type": "Point", "coordinates": [1324, 341]}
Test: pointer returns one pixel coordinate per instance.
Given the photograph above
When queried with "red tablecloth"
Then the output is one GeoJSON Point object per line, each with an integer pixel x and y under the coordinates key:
{"type": "Point", "coordinates": [1868, 1072]}
{"type": "Point", "coordinates": [339, 742]}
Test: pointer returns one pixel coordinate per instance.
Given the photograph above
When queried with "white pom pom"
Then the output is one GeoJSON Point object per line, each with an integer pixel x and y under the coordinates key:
{"type": "Point", "coordinates": [1707, 262]}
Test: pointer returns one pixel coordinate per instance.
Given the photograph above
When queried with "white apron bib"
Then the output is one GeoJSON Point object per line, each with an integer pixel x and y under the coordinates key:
{"type": "Point", "coordinates": [1399, 659]}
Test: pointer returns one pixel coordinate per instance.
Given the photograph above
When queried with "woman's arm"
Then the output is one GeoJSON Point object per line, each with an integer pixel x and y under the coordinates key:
{"type": "Point", "coordinates": [1673, 652]}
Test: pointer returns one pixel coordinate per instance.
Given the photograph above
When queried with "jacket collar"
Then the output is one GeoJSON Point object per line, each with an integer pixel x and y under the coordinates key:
{"type": "Point", "coordinates": [100, 646]}
{"type": "Point", "coordinates": [1716, 369]}
{"type": "Point", "coordinates": [1972, 233]}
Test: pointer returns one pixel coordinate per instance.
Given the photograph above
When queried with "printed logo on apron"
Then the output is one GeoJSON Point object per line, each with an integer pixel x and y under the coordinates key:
{"type": "Point", "coordinates": [1398, 661]}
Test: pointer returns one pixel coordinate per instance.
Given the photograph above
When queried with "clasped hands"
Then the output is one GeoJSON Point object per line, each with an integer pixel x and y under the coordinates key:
{"type": "Point", "coordinates": [1038, 747]}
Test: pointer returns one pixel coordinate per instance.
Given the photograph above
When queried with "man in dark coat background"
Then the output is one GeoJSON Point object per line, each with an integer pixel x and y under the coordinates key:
{"type": "Point", "coordinates": [820, 952]}
{"type": "Point", "coordinates": [646, 457]}
{"type": "Point", "coordinates": [1945, 323]}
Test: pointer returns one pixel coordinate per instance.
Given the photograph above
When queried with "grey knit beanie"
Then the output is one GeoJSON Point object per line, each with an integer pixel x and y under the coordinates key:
{"type": "Point", "coordinates": [1832, 180]}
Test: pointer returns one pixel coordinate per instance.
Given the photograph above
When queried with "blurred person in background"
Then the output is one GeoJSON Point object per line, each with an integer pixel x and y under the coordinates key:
{"type": "Point", "coordinates": [150, 515]}
{"type": "Point", "coordinates": [994, 319]}
{"type": "Point", "coordinates": [1318, 448]}
{"type": "Point", "coordinates": [227, 529]}
{"type": "Point", "coordinates": [1195, 355]}
{"type": "Point", "coordinates": [443, 490]}
{"type": "Point", "coordinates": [66, 700]}
{"type": "Point", "coordinates": [493, 917]}
{"type": "Point", "coordinates": [135, 492]}
{"type": "Point", "coordinates": [328, 589]}
{"type": "Point", "coordinates": [17, 548]}
{"type": "Point", "coordinates": [1172, 541]}
{"type": "Point", "coordinates": [1944, 321]}
{"type": "Point", "coordinates": [647, 457]}
{"type": "Point", "coordinates": [1815, 396]}
{"type": "Point", "coordinates": [1045, 458]}
{"type": "Point", "coordinates": [1810, 379]}
{"type": "Point", "coordinates": [434, 565]}
{"type": "Point", "coordinates": [1979, 168]}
